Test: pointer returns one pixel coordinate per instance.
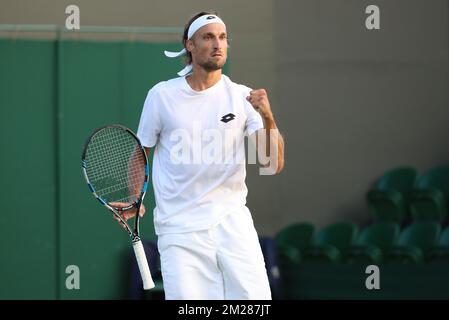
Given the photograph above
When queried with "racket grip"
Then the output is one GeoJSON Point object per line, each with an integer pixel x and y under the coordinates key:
{"type": "Point", "coordinates": [143, 265]}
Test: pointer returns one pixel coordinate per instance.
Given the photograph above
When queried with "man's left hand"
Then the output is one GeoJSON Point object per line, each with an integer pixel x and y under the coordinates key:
{"type": "Point", "coordinates": [259, 100]}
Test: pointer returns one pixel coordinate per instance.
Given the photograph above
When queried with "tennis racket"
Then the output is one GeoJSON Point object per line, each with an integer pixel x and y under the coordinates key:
{"type": "Point", "coordinates": [115, 167]}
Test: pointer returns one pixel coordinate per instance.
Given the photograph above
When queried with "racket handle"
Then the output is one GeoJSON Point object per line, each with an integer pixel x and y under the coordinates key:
{"type": "Point", "coordinates": [143, 265]}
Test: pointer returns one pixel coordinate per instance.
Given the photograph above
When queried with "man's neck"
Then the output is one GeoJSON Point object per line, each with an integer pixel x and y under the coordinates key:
{"type": "Point", "coordinates": [201, 79]}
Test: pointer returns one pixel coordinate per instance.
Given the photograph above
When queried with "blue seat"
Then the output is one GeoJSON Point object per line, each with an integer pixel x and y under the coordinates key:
{"type": "Point", "coordinates": [268, 246]}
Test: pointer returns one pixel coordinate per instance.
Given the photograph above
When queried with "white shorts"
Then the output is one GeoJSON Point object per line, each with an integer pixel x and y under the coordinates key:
{"type": "Point", "coordinates": [223, 262]}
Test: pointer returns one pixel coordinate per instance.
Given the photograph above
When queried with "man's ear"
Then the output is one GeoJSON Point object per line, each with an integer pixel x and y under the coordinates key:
{"type": "Point", "coordinates": [190, 45]}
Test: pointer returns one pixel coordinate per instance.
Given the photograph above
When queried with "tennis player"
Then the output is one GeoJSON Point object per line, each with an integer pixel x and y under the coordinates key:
{"type": "Point", "coordinates": [196, 124]}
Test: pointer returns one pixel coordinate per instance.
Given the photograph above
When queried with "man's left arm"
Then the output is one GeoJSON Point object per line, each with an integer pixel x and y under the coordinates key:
{"type": "Point", "coordinates": [274, 150]}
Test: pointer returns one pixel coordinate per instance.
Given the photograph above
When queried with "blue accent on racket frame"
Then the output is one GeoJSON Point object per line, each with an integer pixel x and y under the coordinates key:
{"type": "Point", "coordinates": [91, 188]}
{"type": "Point", "coordinates": [145, 186]}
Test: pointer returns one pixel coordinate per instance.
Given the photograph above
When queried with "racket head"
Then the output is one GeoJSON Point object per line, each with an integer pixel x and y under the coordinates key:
{"type": "Point", "coordinates": [116, 168]}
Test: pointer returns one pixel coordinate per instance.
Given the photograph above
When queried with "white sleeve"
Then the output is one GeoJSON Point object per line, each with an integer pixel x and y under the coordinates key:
{"type": "Point", "coordinates": [150, 122]}
{"type": "Point", "coordinates": [254, 120]}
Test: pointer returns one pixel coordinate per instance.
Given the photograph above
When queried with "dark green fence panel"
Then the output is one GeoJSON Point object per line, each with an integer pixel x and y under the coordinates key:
{"type": "Point", "coordinates": [89, 96]}
{"type": "Point", "coordinates": [27, 179]}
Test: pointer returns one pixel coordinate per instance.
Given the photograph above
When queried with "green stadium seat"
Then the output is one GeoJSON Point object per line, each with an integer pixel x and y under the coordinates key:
{"type": "Point", "coordinates": [388, 201]}
{"type": "Point", "coordinates": [414, 242]}
{"type": "Point", "coordinates": [429, 200]}
{"type": "Point", "coordinates": [441, 251]}
{"type": "Point", "coordinates": [373, 242]}
{"type": "Point", "coordinates": [291, 241]}
{"type": "Point", "coordinates": [330, 243]}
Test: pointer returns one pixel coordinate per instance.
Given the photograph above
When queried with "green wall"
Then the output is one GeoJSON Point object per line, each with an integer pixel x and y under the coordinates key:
{"type": "Point", "coordinates": [52, 95]}
{"type": "Point", "coordinates": [27, 177]}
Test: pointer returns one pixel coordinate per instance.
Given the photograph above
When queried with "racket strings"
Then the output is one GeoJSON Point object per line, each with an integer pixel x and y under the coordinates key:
{"type": "Point", "coordinates": [108, 144]}
{"type": "Point", "coordinates": [118, 186]}
{"type": "Point", "coordinates": [115, 165]}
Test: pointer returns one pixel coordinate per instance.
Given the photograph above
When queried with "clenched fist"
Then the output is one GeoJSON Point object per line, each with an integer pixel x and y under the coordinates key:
{"type": "Point", "coordinates": [259, 100]}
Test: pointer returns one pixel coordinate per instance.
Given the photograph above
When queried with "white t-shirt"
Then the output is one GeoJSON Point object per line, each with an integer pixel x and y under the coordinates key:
{"type": "Point", "coordinates": [199, 159]}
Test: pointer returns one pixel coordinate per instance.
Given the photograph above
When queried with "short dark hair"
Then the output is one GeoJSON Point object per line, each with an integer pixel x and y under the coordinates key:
{"type": "Point", "coordinates": [186, 30]}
